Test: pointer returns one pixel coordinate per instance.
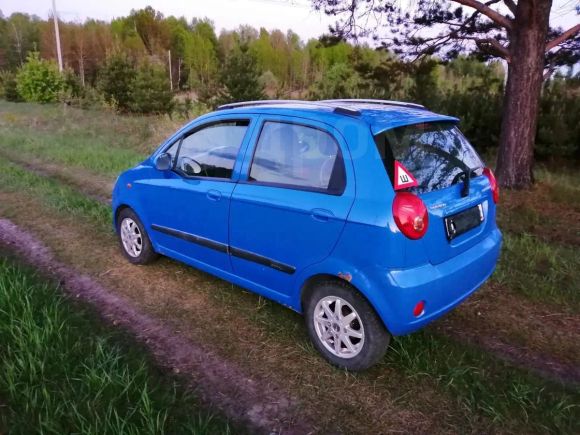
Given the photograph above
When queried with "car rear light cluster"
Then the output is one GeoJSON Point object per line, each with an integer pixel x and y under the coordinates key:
{"type": "Point", "coordinates": [493, 183]}
{"type": "Point", "coordinates": [410, 215]}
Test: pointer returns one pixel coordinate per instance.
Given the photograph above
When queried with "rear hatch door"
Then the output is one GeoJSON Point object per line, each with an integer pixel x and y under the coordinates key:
{"type": "Point", "coordinates": [441, 159]}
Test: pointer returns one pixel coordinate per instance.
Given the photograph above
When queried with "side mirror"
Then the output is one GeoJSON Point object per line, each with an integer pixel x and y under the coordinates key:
{"type": "Point", "coordinates": [163, 162]}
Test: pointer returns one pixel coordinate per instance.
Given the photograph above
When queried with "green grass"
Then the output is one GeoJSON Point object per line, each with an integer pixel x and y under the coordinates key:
{"type": "Point", "coordinates": [541, 271]}
{"type": "Point", "coordinates": [62, 371]}
{"type": "Point", "coordinates": [480, 383]}
{"type": "Point", "coordinates": [564, 185]}
{"type": "Point", "coordinates": [96, 141]}
{"type": "Point", "coordinates": [485, 385]}
{"type": "Point", "coordinates": [54, 194]}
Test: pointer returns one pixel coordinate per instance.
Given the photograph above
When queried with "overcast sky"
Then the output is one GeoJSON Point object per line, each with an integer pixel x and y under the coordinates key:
{"type": "Point", "coordinates": [226, 14]}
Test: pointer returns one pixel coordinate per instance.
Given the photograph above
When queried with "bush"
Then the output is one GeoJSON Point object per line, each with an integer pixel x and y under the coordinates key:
{"type": "Point", "coordinates": [143, 89]}
{"type": "Point", "coordinates": [115, 80]}
{"type": "Point", "coordinates": [8, 89]}
{"type": "Point", "coordinates": [150, 92]}
{"type": "Point", "coordinates": [39, 80]}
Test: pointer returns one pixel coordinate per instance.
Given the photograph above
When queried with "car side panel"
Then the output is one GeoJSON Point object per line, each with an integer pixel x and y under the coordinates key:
{"type": "Point", "coordinates": [286, 229]}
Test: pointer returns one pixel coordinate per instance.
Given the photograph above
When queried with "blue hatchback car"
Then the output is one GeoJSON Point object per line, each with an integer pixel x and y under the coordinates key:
{"type": "Point", "coordinates": [370, 217]}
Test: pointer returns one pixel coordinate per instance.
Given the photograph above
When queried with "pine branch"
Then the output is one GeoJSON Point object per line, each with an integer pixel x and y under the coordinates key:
{"type": "Point", "coordinates": [563, 37]}
{"type": "Point", "coordinates": [495, 16]}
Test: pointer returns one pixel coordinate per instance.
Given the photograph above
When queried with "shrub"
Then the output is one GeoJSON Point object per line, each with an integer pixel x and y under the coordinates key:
{"type": "Point", "coordinates": [115, 79]}
{"type": "Point", "coordinates": [8, 84]}
{"type": "Point", "coordinates": [150, 92]}
{"type": "Point", "coordinates": [39, 80]}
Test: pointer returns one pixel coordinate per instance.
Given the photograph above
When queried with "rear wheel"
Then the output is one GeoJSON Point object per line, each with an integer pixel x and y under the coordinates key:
{"type": "Point", "coordinates": [133, 238]}
{"type": "Point", "coordinates": [343, 326]}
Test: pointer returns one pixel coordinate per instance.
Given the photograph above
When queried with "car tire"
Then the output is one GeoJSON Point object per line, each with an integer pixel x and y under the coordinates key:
{"type": "Point", "coordinates": [134, 240]}
{"type": "Point", "coordinates": [358, 323]}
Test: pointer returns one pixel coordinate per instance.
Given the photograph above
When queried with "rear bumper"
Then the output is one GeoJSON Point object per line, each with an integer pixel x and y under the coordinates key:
{"type": "Point", "coordinates": [441, 286]}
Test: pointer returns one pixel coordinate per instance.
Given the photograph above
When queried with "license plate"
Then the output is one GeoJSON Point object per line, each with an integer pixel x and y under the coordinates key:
{"type": "Point", "coordinates": [464, 221]}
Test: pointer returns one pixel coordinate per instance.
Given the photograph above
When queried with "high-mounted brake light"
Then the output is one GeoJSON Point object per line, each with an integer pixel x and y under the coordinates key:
{"type": "Point", "coordinates": [493, 183]}
{"type": "Point", "coordinates": [410, 215]}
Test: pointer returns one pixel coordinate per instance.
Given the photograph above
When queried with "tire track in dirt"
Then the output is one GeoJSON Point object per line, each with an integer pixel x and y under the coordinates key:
{"type": "Point", "coordinates": [218, 382]}
{"type": "Point", "coordinates": [546, 342]}
{"type": "Point", "coordinates": [99, 190]}
{"type": "Point", "coordinates": [541, 364]}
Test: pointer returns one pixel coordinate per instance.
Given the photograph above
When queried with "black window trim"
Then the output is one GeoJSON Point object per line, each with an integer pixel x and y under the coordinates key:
{"type": "Point", "coordinates": [195, 130]}
{"type": "Point", "coordinates": [293, 186]}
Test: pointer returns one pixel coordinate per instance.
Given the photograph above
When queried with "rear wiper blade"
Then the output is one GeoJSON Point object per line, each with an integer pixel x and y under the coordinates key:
{"type": "Point", "coordinates": [466, 183]}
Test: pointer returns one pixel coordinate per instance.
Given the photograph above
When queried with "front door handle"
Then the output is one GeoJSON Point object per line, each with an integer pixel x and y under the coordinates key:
{"type": "Point", "coordinates": [321, 214]}
{"type": "Point", "coordinates": [214, 195]}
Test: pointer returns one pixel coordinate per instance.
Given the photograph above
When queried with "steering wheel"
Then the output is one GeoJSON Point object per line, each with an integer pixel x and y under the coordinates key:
{"type": "Point", "coordinates": [191, 166]}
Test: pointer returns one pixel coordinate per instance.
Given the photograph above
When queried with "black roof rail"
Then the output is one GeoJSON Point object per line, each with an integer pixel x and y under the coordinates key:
{"type": "Point", "coordinates": [379, 102]}
{"type": "Point", "coordinates": [337, 109]}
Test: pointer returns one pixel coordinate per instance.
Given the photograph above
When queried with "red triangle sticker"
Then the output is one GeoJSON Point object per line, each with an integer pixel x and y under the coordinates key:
{"type": "Point", "coordinates": [403, 178]}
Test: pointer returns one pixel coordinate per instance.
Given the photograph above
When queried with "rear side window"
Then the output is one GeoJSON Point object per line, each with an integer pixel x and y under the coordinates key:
{"type": "Point", "coordinates": [436, 153]}
{"type": "Point", "coordinates": [292, 155]}
{"type": "Point", "coordinates": [213, 148]}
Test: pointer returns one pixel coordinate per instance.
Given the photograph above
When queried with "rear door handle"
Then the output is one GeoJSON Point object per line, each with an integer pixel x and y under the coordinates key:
{"type": "Point", "coordinates": [214, 195]}
{"type": "Point", "coordinates": [321, 214]}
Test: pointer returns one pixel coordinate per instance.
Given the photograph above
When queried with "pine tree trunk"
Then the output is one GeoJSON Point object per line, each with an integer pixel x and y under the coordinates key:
{"type": "Point", "coordinates": [522, 94]}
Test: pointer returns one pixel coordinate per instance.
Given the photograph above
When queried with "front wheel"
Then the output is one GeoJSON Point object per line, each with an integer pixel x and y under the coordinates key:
{"type": "Point", "coordinates": [343, 326]}
{"type": "Point", "coordinates": [133, 238]}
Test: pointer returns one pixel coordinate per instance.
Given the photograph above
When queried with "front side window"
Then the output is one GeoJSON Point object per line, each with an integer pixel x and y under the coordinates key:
{"type": "Point", "coordinates": [211, 151]}
{"type": "Point", "coordinates": [298, 156]}
{"type": "Point", "coordinates": [436, 153]}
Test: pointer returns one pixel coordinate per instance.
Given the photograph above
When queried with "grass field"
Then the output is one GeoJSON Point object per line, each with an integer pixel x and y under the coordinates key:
{"type": "Point", "coordinates": [61, 371]}
{"type": "Point", "coordinates": [433, 380]}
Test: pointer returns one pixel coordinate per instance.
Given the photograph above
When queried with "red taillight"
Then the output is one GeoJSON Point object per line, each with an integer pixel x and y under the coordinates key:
{"type": "Point", "coordinates": [493, 183]}
{"type": "Point", "coordinates": [410, 215]}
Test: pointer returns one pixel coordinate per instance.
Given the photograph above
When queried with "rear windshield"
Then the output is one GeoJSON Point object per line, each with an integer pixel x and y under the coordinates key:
{"type": "Point", "coordinates": [435, 153]}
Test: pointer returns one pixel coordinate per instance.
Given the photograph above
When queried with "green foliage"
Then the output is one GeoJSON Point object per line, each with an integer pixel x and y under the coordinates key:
{"type": "Point", "coordinates": [150, 91]}
{"type": "Point", "coordinates": [8, 86]}
{"type": "Point", "coordinates": [240, 78]}
{"type": "Point", "coordinates": [424, 89]}
{"type": "Point", "coordinates": [559, 124]}
{"type": "Point", "coordinates": [39, 80]}
{"type": "Point", "coordinates": [115, 80]}
{"type": "Point", "coordinates": [340, 81]}
{"type": "Point", "coordinates": [143, 89]}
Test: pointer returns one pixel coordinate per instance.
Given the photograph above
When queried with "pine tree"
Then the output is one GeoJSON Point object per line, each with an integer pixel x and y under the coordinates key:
{"type": "Point", "coordinates": [240, 78]}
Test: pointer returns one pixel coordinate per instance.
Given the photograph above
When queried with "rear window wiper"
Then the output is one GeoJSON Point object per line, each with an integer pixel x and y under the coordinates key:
{"type": "Point", "coordinates": [466, 176]}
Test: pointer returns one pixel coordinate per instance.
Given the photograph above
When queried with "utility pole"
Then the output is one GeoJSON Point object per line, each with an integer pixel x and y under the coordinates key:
{"type": "Point", "coordinates": [170, 72]}
{"type": "Point", "coordinates": [57, 35]}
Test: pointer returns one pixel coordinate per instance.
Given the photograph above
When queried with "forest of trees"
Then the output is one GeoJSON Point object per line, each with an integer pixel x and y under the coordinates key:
{"type": "Point", "coordinates": [148, 63]}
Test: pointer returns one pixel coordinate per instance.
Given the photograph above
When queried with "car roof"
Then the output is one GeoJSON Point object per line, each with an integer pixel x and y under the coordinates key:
{"type": "Point", "coordinates": [380, 115]}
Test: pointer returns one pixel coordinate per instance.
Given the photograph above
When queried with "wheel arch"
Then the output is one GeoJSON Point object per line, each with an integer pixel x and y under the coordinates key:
{"type": "Point", "coordinates": [117, 211]}
{"type": "Point", "coordinates": [373, 293]}
{"type": "Point", "coordinates": [356, 283]}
